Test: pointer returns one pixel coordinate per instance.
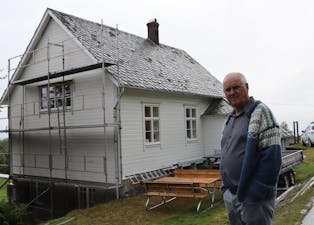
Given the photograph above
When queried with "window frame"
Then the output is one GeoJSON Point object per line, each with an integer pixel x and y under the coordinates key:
{"type": "Point", "coordinates": [56, 102]}
{"type": "Point", "coordinates": [152, 120]}
{"type": "Point", "coordinates": [190, 119]}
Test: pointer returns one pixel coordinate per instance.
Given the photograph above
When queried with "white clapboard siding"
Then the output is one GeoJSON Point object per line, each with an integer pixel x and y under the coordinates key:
{"type": "Point", "coordinates": [90, 153]}
{"type": "Point", "coordinates": [212, 132]}
{"type": "Point", "coordinates": [173, 146]}
{"type": "Point", "coordinates": [74, 56]}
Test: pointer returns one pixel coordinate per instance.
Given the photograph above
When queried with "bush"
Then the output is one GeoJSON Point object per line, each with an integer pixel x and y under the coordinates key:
{"type": "Point", "coordinates": [12, 213]}
{"type": "Point", "coordinates": [4, 156]}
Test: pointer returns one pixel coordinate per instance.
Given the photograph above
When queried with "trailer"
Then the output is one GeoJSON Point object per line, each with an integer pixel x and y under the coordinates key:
{"type": "Point", "coordinates": [291, 157]}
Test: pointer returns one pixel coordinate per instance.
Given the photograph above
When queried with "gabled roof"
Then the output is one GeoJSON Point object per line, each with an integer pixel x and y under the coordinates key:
{"type": "Point", "coordinates": [142, 63]}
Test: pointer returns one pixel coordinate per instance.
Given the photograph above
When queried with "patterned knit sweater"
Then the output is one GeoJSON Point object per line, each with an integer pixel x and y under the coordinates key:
{"type": "Point", "coordinates": [262, 160]}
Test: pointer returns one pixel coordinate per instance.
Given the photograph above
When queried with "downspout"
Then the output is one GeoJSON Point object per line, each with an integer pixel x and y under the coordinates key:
{"type": "Point", "coordinates": [117, 112]}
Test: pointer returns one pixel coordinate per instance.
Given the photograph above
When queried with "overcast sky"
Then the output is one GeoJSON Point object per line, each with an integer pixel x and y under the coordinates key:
{"type": "Point", "coordinates": [270, 41]}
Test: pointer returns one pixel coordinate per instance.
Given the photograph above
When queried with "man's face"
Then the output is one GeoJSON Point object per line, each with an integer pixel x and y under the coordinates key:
{"type": "Point", "coordinates": [236, 91]}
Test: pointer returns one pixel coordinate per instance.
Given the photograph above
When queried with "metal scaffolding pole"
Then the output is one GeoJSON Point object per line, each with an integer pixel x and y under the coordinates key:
{"type": "Point", "coordinates": [104, 100]}
{"type": "Point", "coordinates": [23, 127]}
{"type": "Point", "coordinates": [9, 122]}
{"type": "Point", "coordinates": [49, 132]}
{"type": "Point", "coordinates": [62, 126]}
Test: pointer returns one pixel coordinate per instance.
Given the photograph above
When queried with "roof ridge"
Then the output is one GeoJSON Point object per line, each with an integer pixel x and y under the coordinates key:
{"type": "Point", "coordinates": [110, 27]}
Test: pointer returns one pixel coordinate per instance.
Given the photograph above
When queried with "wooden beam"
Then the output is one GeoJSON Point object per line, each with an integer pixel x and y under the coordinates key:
{"type": "Point", "coordinates": [60, 74]}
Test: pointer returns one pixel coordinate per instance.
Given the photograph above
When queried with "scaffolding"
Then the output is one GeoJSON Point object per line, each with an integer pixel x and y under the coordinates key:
{"type": "Point", "coordinates": [56, 112]}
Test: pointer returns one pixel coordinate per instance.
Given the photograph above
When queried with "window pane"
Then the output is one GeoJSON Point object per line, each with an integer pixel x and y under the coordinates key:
{"type": "Point", "coordinates": [194, 124]}
{"type": "Point", "coordinates": [193, 128]}
{"type": "Point", "coordinates": [44, 104]}
{"type": "Point", "coordinates": [156, 125]}
{"type": "Point", "coordinates": [44, 92]}
{"type": "Point", "coordinates": [187, 113]}
{"type": "Point", "coordinates": [147, 125]}
{"type": "Point", "coordinates": [52, 92]}
{"type": "Point", "coordinates": [59, 102]}
{"type": "Point", "coordinates": [194, 134]}
{"type": "Point", "coordinates": [52, 103]}
{"type": "Point", "coordinates": [156, 136]}
{"type": "Point", "coordinates": [147, 111]}
{"type": "Point", "coordinates": [67, 89]}
{"type": "Point", "coordinates": [188, 124]}
{"type": "Point", "coordinates": [68, 101]}
{"type": "Point", "coordinates": [194, 113]}
{"type": "Point", "coordinates": [188, 133]}
{"type": "Point", "coordinates": [58, 90]}
{"type": "Point", "coordinates": [148, 137]}
{"type": "Point", "coordinates": [155, 112]}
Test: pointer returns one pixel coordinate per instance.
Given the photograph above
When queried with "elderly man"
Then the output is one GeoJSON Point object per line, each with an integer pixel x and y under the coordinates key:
{"type": "Point", "coordinates": [250, 156]}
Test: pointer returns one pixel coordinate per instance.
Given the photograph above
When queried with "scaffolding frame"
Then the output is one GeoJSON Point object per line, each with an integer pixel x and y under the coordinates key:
{"type": "Point", "coordinates": [62, 126]}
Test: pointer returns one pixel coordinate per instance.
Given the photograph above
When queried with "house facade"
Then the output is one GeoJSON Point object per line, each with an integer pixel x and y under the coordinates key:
{"type": "Point", "coordinates": [92, 107]}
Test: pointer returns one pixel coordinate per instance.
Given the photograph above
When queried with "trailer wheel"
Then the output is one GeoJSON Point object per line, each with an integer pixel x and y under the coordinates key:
{"type": "Point", "coordinates": [291, 178]}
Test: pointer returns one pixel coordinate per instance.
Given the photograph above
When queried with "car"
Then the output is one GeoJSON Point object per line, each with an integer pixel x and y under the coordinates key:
{"type": "Point", "coordinates": [307, 136]}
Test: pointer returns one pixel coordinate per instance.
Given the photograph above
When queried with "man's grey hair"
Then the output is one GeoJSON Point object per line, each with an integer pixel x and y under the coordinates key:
{"type": "Point", "coordinates": [240, 75]}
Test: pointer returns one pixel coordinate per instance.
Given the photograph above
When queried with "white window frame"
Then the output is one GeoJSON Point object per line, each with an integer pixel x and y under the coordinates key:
{"type": "Point", "coordinates": [152, 119]}
{"type": "Point", "coordinates": [56, 98]}
{"type": "Point", "coordinates": [190, 121]}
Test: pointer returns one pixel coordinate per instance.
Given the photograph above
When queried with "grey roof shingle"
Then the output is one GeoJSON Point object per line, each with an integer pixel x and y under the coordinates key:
{"type": "Point", "coordinates": [218, 107]}
{"type": "Point", "coordinates": [142, 63]}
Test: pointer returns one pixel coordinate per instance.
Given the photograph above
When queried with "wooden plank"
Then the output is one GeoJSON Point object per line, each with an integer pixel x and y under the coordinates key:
{"type": "Point", "coordinates": [201, 173]}
{"type": "Point", "coordinates": [178, 195]}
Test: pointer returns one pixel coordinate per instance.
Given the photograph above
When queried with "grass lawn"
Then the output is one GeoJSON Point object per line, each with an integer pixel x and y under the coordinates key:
{"type": "Point", "coordinates": [3, 191]}
{"type": "Point", "coordinates": [183, 211]}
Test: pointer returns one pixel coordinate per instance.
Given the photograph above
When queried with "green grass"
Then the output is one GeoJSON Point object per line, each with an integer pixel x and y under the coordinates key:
{"type": "Point", "coordinates": [306, 169]}
{"type": "Point", "coordinates": [3, 191]}
{"type": "Point", "coordinates": [182, 211]}
{"type": "Point", "coordinates": [290, 213]}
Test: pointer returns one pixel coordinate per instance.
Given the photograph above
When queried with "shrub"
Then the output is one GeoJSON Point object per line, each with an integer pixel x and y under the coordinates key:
{"type": "Point", "coordinates": [12, 213]}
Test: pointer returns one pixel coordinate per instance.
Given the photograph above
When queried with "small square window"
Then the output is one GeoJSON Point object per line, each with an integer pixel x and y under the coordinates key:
{"type": "Point", "coordinates": [59, 95]}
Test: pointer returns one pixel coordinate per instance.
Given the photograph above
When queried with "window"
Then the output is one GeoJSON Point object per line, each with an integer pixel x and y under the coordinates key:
{"type": "Point", "coordinates": [190, 123]}
{"type": "Point", "coordinates": [151, 119]}
{"type": "Point", "coordinates": [57, 92]}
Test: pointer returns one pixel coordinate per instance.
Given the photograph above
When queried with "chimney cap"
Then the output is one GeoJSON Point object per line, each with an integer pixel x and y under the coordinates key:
{"type": "Point", "coordinates": [153, 21]}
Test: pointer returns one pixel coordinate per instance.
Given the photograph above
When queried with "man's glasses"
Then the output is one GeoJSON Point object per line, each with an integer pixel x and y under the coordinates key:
{"type": "Point", "coordinates": [234, 88]}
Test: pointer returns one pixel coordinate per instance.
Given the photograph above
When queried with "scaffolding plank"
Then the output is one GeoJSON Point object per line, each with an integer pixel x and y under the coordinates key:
{"type": "Point", "coordinates": [62, 127]}
{"type": "Point", "coordinates": [61, 73]}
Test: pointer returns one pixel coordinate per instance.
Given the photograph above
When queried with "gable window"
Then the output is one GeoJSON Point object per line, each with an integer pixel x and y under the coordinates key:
{"type": "Point", "coordinates": [190, 123]}
{"type": "Point", "coordinates": [151, 119]}
{"type": "Point", "coordinates": [60, 94]}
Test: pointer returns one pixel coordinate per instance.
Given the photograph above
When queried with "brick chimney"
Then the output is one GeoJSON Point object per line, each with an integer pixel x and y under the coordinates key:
{"type": "Point", "coordinates": [152, 28]}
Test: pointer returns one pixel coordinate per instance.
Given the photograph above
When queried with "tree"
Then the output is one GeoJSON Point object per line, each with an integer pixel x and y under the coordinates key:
{"type": "Point", "coordinates": [285, 129]}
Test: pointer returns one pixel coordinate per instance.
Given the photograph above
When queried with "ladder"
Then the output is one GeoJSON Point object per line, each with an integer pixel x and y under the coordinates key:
{"type": "Point", "coordinates": [62, 130]}
{"type": "Point", "coordinates": [150, 175]}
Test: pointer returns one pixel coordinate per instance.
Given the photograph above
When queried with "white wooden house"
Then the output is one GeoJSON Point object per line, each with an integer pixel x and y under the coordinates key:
{"type": "Point", "coordinates": [119, 106]}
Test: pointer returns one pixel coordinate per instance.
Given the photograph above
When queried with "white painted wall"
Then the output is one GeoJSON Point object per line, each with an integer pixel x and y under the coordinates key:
{"type": "Point", "coordinates": [212, 133]}
{"type": "Point", "coordinates": [173, 148]}
{"type": "Point", "coordinates": [87, 148]}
